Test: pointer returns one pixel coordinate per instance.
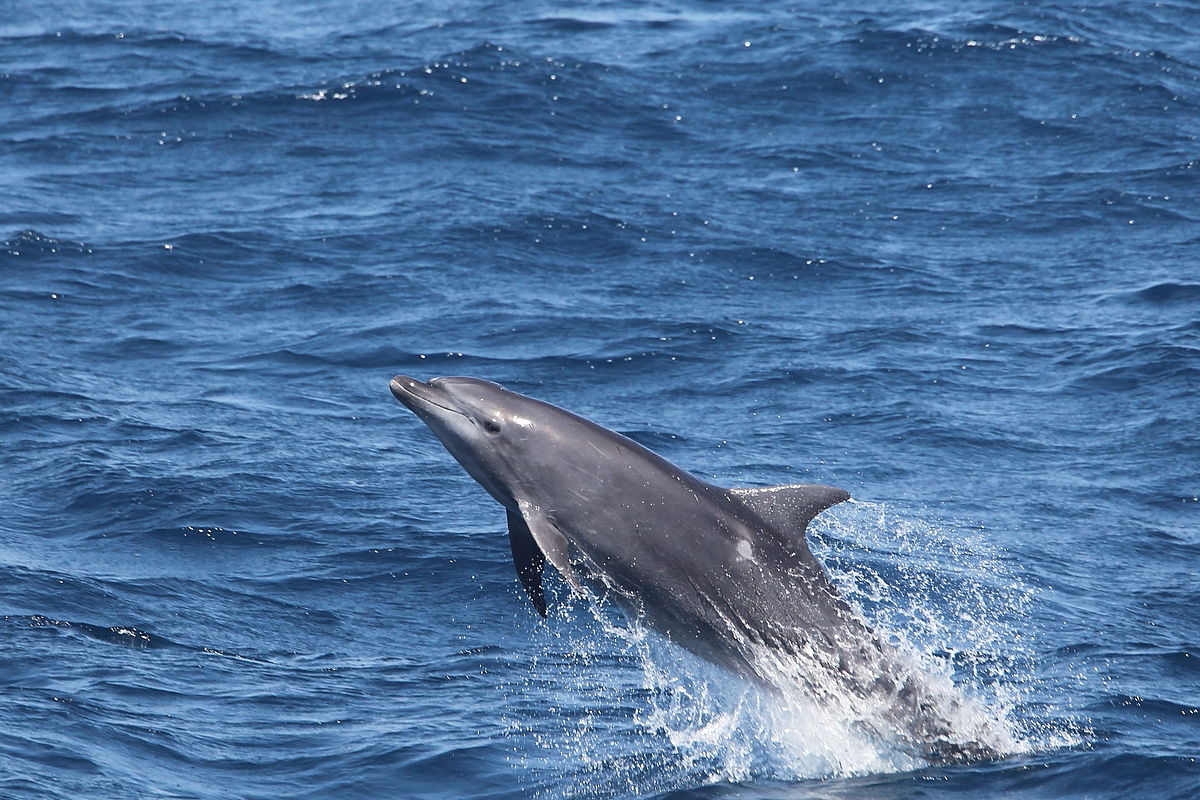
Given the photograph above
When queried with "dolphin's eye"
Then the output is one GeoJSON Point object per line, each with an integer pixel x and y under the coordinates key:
{"type": "Point", "coordinates": [491, 426]}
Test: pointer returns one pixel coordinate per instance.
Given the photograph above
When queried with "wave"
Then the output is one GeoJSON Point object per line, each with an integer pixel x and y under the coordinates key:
{"type": "Point", "coordinates": [114, 634]}
{"type": "Point", "coordinates": [32, 244]}
{"type": "Point", "coordinates": [484, 79]}
{"type": "Point", "coordinates": [1166, 293]}
{"type": "Point", "coordinates": [1120, 368]}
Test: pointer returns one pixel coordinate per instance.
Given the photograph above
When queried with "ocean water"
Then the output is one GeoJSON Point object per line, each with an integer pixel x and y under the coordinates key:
{"type": "Point", "coordinates": [945, 255]}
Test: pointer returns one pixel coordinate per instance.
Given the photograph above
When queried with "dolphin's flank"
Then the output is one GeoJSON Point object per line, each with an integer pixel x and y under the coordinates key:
{"type": "Point", "coordinates": [725, 573]}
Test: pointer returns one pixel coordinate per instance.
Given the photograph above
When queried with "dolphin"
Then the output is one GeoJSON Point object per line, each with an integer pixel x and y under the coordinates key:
{"type": "Point", "coordinates": [724, 573]}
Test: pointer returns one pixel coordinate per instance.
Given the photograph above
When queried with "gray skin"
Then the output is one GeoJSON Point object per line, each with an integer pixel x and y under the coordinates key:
{"type": "Point", "coordinates": [724, 573]}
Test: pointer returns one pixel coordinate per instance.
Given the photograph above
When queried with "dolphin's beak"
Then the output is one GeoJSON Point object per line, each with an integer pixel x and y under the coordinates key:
{"type": "Point", "coordinates": [410, 390]}
{"type": "Point", "coordinates": [418, 396]}
{"type": "Point", "coordinates": [402, 387]}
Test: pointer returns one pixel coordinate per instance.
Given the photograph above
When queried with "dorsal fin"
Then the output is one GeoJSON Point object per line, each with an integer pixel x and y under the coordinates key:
{"type": "Point", "coordinates": [528, 559]}
{"type": "Point", "coordinates": [790, 508]}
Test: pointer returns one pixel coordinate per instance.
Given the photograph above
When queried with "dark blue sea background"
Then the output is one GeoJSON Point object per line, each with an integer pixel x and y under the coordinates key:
{"type": "Point", "coordinates": [945, 255]}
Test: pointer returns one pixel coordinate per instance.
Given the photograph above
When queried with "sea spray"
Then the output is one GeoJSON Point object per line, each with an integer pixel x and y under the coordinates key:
{"type": "Point", "coordinates": [943, 598]}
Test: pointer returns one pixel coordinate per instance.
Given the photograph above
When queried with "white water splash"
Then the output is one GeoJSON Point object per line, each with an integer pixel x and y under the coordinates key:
{"type": "Point", "coordinates": [942, 596]}
{"type": "Point", "coordinates": [948, 599]}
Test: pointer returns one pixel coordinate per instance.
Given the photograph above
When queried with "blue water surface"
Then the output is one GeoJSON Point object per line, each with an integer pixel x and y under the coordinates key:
{"type": "Point", "coordinates": [943, 254]}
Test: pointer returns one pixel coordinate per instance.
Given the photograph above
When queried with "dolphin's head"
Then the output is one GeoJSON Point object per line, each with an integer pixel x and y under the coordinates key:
{"type": "Point", "coordinates": [497, 435]}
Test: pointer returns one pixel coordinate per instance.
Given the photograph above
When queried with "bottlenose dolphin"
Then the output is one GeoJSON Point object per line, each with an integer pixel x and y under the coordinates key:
{"type": "Point", "coordinates": [724, 573]}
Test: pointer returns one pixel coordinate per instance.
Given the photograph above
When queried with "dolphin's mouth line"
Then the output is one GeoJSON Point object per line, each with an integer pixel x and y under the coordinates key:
{"type": "Point", "coordinates": [445, 408]}
{"type": "Point", "coordinates": [424, 399]}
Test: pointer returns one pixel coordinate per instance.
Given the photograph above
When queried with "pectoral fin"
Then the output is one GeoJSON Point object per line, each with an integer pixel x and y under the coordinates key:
{"type": "Point", "coordinates": [528, 560]}
{"type": "Point", "coordinates": [535, 540]}
{"type": "Point", "coordinates": [790, 508]}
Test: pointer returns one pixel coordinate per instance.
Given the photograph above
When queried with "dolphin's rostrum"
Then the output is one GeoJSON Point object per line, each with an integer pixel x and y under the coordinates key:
{"type": "Point", "coordinates": [725, 573]}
